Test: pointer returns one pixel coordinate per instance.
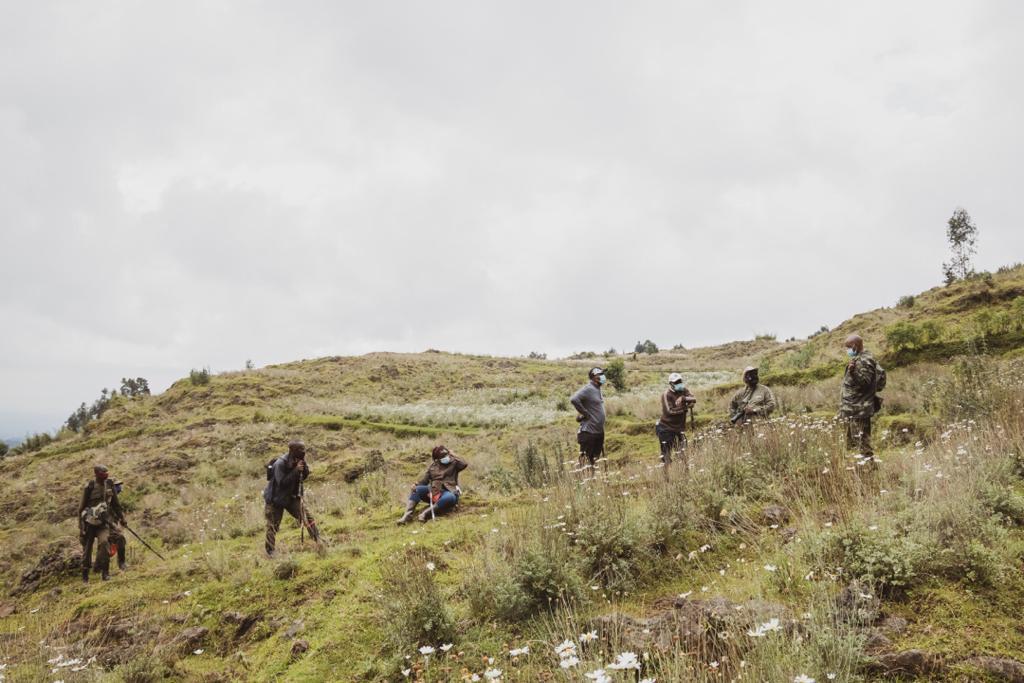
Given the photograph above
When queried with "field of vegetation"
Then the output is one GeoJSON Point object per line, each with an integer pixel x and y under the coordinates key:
{"type": "Point", "coordinates": [776, 555]}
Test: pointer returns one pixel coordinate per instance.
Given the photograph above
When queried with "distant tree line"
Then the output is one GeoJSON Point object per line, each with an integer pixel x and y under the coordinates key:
{"type": "Point", "coordinates": [84, 414]}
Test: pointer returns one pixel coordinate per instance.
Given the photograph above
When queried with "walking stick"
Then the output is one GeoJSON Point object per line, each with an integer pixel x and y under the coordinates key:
{"type": "Point", "coordinates": [430, 497]}
{"type": "Point", "coordinates": [144, 543]}
{"type": "Point", "coordinates": [302, 515]}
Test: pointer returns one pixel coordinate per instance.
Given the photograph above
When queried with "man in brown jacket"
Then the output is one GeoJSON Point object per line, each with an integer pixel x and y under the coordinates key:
{"type": "Point", "coordinates": [676, 402]}
{"type": "Point", "coordinates": [97, 513]}
{"type": "Point", "coordinates": [438, 487]}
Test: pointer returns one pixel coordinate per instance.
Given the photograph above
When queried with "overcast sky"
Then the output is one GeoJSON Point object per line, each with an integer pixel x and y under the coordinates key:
{"type": "Point", "coordinates": [188, 184]}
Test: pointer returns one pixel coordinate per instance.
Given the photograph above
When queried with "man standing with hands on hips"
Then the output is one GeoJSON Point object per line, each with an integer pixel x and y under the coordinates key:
{"type": "Point", "coordinates": [589, 403]}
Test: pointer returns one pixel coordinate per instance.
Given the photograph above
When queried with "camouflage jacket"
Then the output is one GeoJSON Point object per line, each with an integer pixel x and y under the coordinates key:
{"type": "Point", "coordinates": [760, 399]}
{"type": "Point", "coordinates": [857, 397]}
{"type": "Point", "coordinates": [95, 493]}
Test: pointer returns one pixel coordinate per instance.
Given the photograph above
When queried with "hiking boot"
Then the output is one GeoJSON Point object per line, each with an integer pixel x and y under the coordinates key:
{"type": "Point", "coordinates": [85, 576]}
{"type": "Point", "coordinates": [425, 516]}
{"type": "Point", "coordinates": [122, 565]}
{"type": "Point", "coordinates": [105, 575]}
{"type": "Point", "coordinates": [410, 508]}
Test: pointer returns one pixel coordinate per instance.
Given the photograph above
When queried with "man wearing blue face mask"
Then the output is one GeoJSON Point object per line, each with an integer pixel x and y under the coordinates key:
{"type": "Point", "coordinates": [438, 487]}
{"type": "Point", "coordinates": [676, 402]}
{"type": "Point", "coordinates": [862, 381]}
{"type": "Point", "coordinates": [589, 403]}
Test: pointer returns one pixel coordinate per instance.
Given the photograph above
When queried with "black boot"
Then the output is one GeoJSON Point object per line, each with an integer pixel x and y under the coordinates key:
{"type": "Point", "coordinates": [85, 575]}
{"type": "Point", "coordinates": [105, 575]}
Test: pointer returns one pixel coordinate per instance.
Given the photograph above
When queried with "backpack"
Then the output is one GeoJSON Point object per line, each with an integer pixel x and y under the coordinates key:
{"type": "Point", "coordinates": [270, 468]}
{"type": "Point", "coordinates": [879, 378]}
{"type": "Point", "coordinates": [879, 386]}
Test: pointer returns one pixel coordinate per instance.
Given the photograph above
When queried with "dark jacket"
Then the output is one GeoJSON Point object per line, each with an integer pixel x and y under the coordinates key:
{"type": "Point", "coordinates": [283, 486]}
{"type": "Point", "coordinates": [674, 407]}
{"type": "Point", "coordinates": [857, 396]}
{"type": "Point", "coordinates": [443, 477]}
{"type": "Point", "coordinates": [96, 493]}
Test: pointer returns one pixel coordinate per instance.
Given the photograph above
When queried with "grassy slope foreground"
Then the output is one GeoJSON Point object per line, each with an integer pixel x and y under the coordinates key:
{"type": "Point", "coordinates": [776, 556]}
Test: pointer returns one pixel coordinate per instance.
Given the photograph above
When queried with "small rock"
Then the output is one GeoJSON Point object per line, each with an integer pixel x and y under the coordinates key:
{"type": "Point", "coordinates": [788, 534]}
{"type": "Point", "coordinates": [876, 642]}
{"type": "Point", "coordinates": [774, 514]}
{"type": "Point", "coordinates": [295, 629]}
{"type": "Point", "coordinates": [299, 647]}
{"type": "Point", "coordinates": [194, 636]}
{"type": "Point", "coordinates": [1003, 669]}
{"type": "Point", "coordinates": [7, 609]}
{"type": "Point", "coordinates": [893, 624]}
{"type": "Point", "coordinates": [908, 662]}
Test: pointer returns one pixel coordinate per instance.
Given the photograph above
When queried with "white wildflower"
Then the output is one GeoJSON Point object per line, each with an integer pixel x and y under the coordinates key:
{"type": "Point", "coordinates": [569, 662]}
{"type": "Point", "coordinates": [406, 672]}
{"type": "Point", "coordinates": [565, 648]}
{"type": "Point", "coordinates": [770, 567]}
{"type": "Point", "coordinates": [761, 630]}
{"type": "Point", "coordinates": [599, 676]}
{"type": "Point", "coordinates": [198, 652]}
{"type": "Point", "coordinates": [625, 660]}
{"type": "Point", "coordinates": [588, 636]}
{"type": "Point", "coordinates": [518, 652]}
{"type": "Point", "coordinates": [426, 650]}
{"type": "Point", "coordinates": [492, 674]}
{"type": "Point", "coordinates": [431, 566]}
{"type": "Point", "coordinates": [446, 647]}
{"type": "Point", "coordinates": [803, 678]}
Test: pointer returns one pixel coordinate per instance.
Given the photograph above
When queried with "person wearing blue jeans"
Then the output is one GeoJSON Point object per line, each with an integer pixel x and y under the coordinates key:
{"type": "Point", "coordinates": [439, 484]}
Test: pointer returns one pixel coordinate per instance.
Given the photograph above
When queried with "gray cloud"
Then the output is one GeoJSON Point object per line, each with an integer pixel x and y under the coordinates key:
{"type": "Point", "coordinates": [189, 184]}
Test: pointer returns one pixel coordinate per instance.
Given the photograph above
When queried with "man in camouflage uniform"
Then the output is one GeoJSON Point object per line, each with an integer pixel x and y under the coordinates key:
{"type": "Point", "coordinates": [97, 513]}
{"type": "Point", "coordinates": [857, 397]}
{"type": "Point", "coordinates": [753, 400]}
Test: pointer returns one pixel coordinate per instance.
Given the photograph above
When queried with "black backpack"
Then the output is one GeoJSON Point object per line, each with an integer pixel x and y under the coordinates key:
{"type": "Point", "coordinates": [270, 468]}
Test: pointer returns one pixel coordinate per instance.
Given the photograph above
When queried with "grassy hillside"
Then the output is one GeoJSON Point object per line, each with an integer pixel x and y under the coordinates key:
{"type": "Point", "coordinates": [776, 555]}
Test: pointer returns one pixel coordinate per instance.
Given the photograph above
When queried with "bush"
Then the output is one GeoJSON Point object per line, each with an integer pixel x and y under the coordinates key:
{"type": "Point", "coordinates": [903, 335]}
{"type": "Point", "coordinates": [614, 548]}
{"type": "Point", "coordinates": [533, 466]}
{"type": "Point", "coordinates": [906, 301]}
{"type": "Point", "coordinates": [534, 355]}
{"type": "Point", "coordinates": [412, 606]}
{"type": "Point", "coordinates": [198, 377]}
{"type": "Point", "coordinates": [512, 590]}
{"type": "Point", "coordinates": [3, 449]}
{"type": "Point", "coordinates": [616, 374]}
{"type": "Point", "coordinates": [765, 336]}
{"type": "Point", "coordinates": [886, 560]}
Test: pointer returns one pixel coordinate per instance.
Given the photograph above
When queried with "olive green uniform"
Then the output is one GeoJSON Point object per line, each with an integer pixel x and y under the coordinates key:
{"type": "Point", "coordinates": [97, 492]}
{"type": "Point", "coordinates": [760, 400]}
{"type": "Point", "coordinates": [857, 401]}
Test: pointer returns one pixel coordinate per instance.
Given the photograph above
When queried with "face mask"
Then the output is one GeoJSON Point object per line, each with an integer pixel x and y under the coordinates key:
{"type": "Point", "coordinates": [679, 386]}
{"type": "Point", "coordinates": [445, 460]}
{"type": "Point", "coordinates": [851, 352]}
{"type": "Point", "coordinates": [601, 379]}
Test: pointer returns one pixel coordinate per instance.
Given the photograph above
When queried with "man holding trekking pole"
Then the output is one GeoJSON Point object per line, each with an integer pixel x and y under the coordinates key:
{"type": "Point", "coordinates": [285, 476]}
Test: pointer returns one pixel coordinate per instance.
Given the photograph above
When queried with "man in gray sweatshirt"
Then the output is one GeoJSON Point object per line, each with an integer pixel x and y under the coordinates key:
{"type": "Point", "coordinates": [589, 403]}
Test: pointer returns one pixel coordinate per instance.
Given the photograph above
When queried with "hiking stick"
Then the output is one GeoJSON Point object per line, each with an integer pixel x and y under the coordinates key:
{"type": "Point", "coordinates": [144, 543]}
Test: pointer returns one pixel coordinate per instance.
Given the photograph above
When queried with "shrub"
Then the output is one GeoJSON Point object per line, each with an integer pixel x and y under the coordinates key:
{"type": "Point", "coordinates": [534, 355]}
{"type": "Point", "coordinates": [614, 548]}
{"type": "Point", "coordinates": [887, 560]}
{"type": "Point", "coordinates": [765, 336]}
{"type": "Point", "coordinates": [906, 301]}
{"type": "Point", "coordinates": [198, 377]}
{"type": "Point", "coordinates": [903, 335]}
{"type": "Point", "coordinates": [501, 480]}
{"type": "Point", "coordinates": [539, 578]}
{"type": "Point", "coordinates": [534, 468]}
{"type": "Point", "coordinates": [3, 449]}
{"type": "Point", "coordinates": [412, 606]}
{"type": "Point", "coordinates": [616, 374]}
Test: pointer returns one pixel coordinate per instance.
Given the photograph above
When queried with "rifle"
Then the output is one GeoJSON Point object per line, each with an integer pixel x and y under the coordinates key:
{"type": "Point", "coordinates": [143, 542]}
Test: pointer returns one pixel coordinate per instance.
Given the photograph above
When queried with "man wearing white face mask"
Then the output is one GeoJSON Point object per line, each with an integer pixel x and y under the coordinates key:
{"type": "Point", "coordinates": [438, 487]}
{"type": "Point", "coordinates": [589, 403]}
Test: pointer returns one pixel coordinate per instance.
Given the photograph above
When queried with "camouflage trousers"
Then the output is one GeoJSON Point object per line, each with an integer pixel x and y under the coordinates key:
{"type": "Point", "coordinates": [273, 514]}
{"type": "Point", "coordinates": [101, 536]}
{"type": "Point", "coordinates": [858, 435]}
